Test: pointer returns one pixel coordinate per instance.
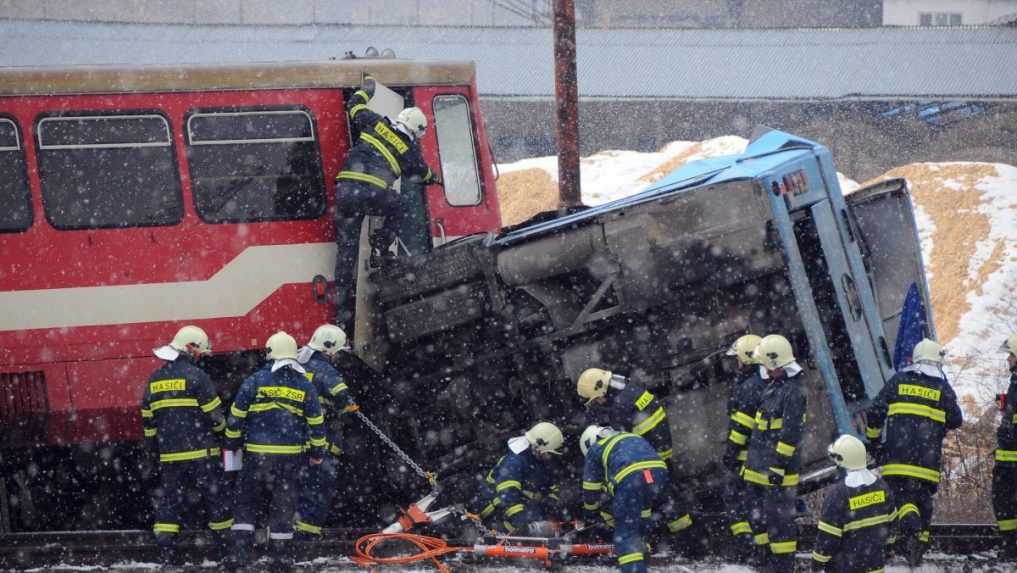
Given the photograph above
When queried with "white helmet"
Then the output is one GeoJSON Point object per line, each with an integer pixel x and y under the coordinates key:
{"type": "Point", "coordinates": [191, 339]}
{"type": "Point", "coordinates": [328, 338]}
{"type": "Point", "coordinates": [773, 352]}
{"type": "Point", "coordinates": [545, 437]}
{"type": "Point", "coordinates": [281, 345]}
{"type": "Point", "coordinates": [848, 452]}
{"type": "Point", "coordinates": [593, 383]}
{"type": "Point", "coordinates": [743, 348]}
{"type": "Point", "coordinates": [928, 351]}
{"type": "Point", "coordinates": [591, 435]}
{"type": "Point", "coordinates": [414, 120]}
{"type": "Point", "coordinates": [1010, 345]}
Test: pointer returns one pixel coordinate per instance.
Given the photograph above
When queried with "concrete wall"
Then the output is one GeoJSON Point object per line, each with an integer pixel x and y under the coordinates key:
{"type": "Point", "coordinates": [973, 12]}
{"type": "Point", "coordinates": [735, 13]}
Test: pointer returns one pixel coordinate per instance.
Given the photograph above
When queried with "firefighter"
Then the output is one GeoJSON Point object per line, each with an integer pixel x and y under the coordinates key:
{"type": "Point", "coordinates": [629, 405]}
{"type": "Point", "coordinates": [520, 493]}
{"type": "Point", "coordinates": [858, 515]}
{"type": "Point", "coordinates": [918, 406]}
{"type": "Point", "coordinates": [276, 411]}
{"type": "Point", "coordinates": [382, 153]}
{"type": "Point", "coordinates": [320, 481]}
{"type": "Point", "coordinates": [182, 418]}
{"type": "Point", "coordinates": [628, 469]}
{"type": "Point", "coordinates": [741, 408]}
{"type": "Point", "coordinates": [1004, 473]}
{"type": "Point", "coordinates": [772, 462]}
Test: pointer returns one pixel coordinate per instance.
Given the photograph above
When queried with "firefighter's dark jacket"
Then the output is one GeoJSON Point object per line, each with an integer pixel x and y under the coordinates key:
{"type": "Point", "coordinates": [1006, 435]}
{"type": "Point", "coordinates": [636, 409]}
{"type": "Point", "coordinates": [333, 395]}
{"type": "Point", "coordinates": [181, 412]}
{"type": "Point", "coordinates": [854, 527]}
{"type": "Point", "coordinates": [918, 409]}
{"type": "Point", "coordinates": [610, 461]}
{"type": "Point", "coordinates": [516, 478]}
{"type": "Point", "coordinates": [777, 431]}
{"type": "Point", "coordinates": [381, 153]}
{"type": "Point", "coordinates": [741, 407]}
{"type": "Point", "coordinates": [277, 413]}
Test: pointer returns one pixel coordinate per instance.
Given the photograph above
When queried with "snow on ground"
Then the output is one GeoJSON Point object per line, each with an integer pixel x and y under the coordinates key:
{"type": "Point", "coordinates": [967, 222]}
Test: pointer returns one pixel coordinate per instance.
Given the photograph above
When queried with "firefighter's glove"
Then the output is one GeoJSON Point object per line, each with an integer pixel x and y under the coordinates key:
{"type": "Point", "coordinates": [352, 408]}
{"type": "Point", "coordinates": [540, 529]}
{"type": "Point", "coordinates": [731, 462]}
{"type": "Point", "coordinates": [368, 85]}
{"type": "Point", "coordinates": [775, 478]}
{"type": "Point", "coordinates": [315, 461]}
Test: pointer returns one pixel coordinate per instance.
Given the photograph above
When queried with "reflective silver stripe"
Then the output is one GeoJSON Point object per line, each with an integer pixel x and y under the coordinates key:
{"type": "Point", "coordinates": [243, 527]}
{"type": "Point", "coordinates": [274, 535]}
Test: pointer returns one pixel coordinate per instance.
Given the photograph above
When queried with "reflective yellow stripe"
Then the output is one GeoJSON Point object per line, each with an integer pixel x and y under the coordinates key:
{"type": "Point", "coordinates": [593, 485]}
{"type": "Point", "coordinates": [174, 403]}
{"type": "Point", "coordinates": [273, 449]}
{"type": "Point", "coordinates": [629, 558]}
{"type": "Point", "coordinates": [1007, 524]}
{"type": "Point", "coordinates": [608, 446]}
{"type": "Point", "coordinates": [650, 423]}
{"type": "Point", "coordinates": [761, 538]}
{"type": "Point", "coordinates": [237, 412]}
{"type": "Point", "coordinates": [355, 176]}
{"type": "Point", "coordinates": [146, 413]}
{"type": "Point", "coordinates": [783, 547]}
{"type": "Point", "coordinates": [219, 427]}
{"type": "Point", "coordinates": [743, 455]}
{"type": "Point", "coordinates": [220, 525]}
{"type": "Point", "coordinates": [777, 424]}
{"type": "Point", "coordinates": [665, 454]}
{"type": "Point", "coordinates": [392, 163]}
{"type": "Point", "coordinates": [820, 558]}
{"type": "Point", "coordinates": [911, 471]}
{"type": "Point", "coordinates": [591, 505]}
{"type": "Point", "coordinates": [488, 509]}
{"type": "Point", "coordinates": [163, 527]}
{"type": "Point", "coordinates": [638, 466]}
{"type": "Point", "coordinates": [318, 442]}
{"type": "Point", "coordinates": [232, 433]}
{"type": "Point", "coordinates": [308, 528]}
{"type": "Point", "coordinates": [743, 419]}
{"type": "Point", "coordinates": [901, 408]}
{"type": "Point", "coordinates": [646, 513]}
{"type": "Point", "coordinates": [924, 536]}
{"type": "Point", "coordinates": [785, 449]}
{"type": "Point", "coordinates": [868, 522]}
{"type": "Point", "coordinates": [335, 450]}
{"type": "Point", "coordinates": [741, 528]}
{"type": "Point", "coordinates": [514, 510]}
{"type": "Point", "coordinates": [150, 432]}
{"type": "Point", "coordinates": [266, 406]}
{"type": "Point", "coordinates": [906, 509]}
{"type": "Point", "coordinates": [316, 420]}
{"type": "Point", "coordinates": [873, 433]}
{"type": "Point", "coordinates": [831, 529]}
{"type": "Point", "coordinates": [644, 400]}
{"type": "Point", "coordinates": [188, 455]}
{"type": "Point", "coordinates": [738, 438]}
{"type": "Point", "coordinates": [761, 479]}
{"type": "Point", "coordinates": [683, 522]}
{"type": "Point", "coordinates": [507, 484]}
{"type": "Point", "coordinates": [357, 109]}
{"type": "Point", "coordinates": [764, 424]}
{"type": "Point", "coordinates": [339, 388]}
{"type": "Point", "coordinates": [1006, 455]}
{"type": "Point", "coordinates": [509, 527]}
{"type": "Point", "coordinates": [212, 405]}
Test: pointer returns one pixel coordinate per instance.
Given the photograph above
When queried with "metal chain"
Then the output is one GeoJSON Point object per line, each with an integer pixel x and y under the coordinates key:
{"type": "Point", "coordinates": [399, 452]}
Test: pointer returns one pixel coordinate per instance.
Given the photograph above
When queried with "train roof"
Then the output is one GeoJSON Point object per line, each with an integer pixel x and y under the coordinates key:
{"type": "Point", "coordinates": [191, 77]}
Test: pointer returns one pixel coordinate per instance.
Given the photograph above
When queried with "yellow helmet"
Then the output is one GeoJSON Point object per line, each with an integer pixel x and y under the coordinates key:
{"type": "Point", "coordinates": [848, 452]}
{"type": "Point", "coordinates": [328, 338]}
{"type": "Point", "coordinates": [545, 437]}
{"type": "Point", "coordinates": [927, 351]}
{"type": "Point", "coordinates": [593, 383]}
{"type": "Point", "coordinates": [1010, 345]}
{"type": "Point", "coordinates": [743, 347]}
{"type": "Point", "coordinates": [773, 352]}
{"type": "Point", "coordinates": [281, 345]}
{"type": "Point", "coordinates": [191, 339]}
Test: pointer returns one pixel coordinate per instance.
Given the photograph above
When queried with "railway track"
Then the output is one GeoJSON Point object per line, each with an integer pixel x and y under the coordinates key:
{"type": "Point", "coordinates": [957, 544]}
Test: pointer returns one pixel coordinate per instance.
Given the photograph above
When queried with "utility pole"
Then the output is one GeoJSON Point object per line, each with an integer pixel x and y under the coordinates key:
{"type": "Point", "coordinates": [566, 93]}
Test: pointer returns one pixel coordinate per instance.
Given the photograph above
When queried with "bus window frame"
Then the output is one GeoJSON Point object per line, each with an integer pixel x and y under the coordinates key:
{"type": "Point", "coordinates": [205, 111]}
{"type": "Point", "coordinates": [481, 191]}
{"type": "Point", "coordinates": [42, 117]}
{"type": "Point", "coordinates": [19, 141]}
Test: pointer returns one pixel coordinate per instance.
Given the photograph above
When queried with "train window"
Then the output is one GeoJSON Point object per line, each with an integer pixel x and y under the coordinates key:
{"type": "Point", "coordinates": [457, 151]}
{"type": "Point", "coordinates": [14, 195]}
{"type": "Point", "coordinates": [255, 165]}
{"type": "Point", "coordinates": [99, 171]}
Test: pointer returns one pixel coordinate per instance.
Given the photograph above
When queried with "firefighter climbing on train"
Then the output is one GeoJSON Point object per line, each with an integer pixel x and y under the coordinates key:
{"type": "Point", "coordinates": [620, 402]}
{"type": "Point", "coordinates": [320, 481]}
{"type": "Point", "coordinates": [918, 406]}
{"type": "Point", "coordinates": [182, 419]}
{"type": "Point", "coordinates": [627, 469]}
{"type": "Point", "coordinates": [858, 517]}
{"type": "Point", "coordinates": [276, 416]}
{"type": "Point", "coordinates": [383, 151]}
{"type": "Point", "coordinates": [743, 399]}
{"type": "Point", "coordinates": [1004, 473]}
{"type": "Point", "coordinates": [773, 458]}
{"type": "Point", "coordinates": [519, 495]}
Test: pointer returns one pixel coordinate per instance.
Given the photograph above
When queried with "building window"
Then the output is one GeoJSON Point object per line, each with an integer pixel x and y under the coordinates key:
{"type": "Point", "coordinates": [14, 195]}
{"type": "Point", "coordinates": [99, 171]}
{"type": "Point", "coordinates": [259, 165]}
{"type": "Point", "coordinates": [939, 19]}
{"type": "Point", "coordinates": [456, 148]}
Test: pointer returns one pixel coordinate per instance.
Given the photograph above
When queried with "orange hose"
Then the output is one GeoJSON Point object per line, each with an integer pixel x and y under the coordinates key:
{"type": "Point", "coordinates": [430, 548]}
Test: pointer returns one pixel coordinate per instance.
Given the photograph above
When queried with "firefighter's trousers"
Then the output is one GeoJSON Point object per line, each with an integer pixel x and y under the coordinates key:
{"type": "Point", "coordinates": [914, 505]}
{"type": "Point", "coordinates": [179, 480]}
{"type": "Point", "coordinates": [316, 494]}
{"type": "Point", "coordinates": [272, 476]}
{"type": "Point", "coordinates": [1004, 501]}
{"type": "Point", "coordinates": [634, 499]}
{"type": "Point", "coordinates": [673, 506]}
{"type": "Point", "coordinates": [488, 506]}
{"type": "Point", "coordinates": [773, 522]}
{"type": "Point", "coordinates": [738, 507]}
